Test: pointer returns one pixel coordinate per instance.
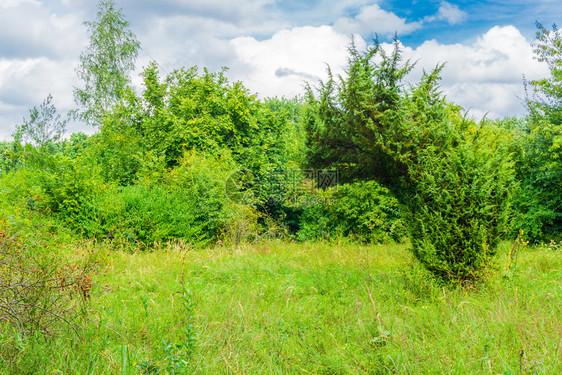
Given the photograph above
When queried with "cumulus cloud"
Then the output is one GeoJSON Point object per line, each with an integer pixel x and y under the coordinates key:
{"type": "Point", "coordinates": [485, 76]}
{"type": "Point", "coordinates": [39, 48]}
{"type": "Point", "coordinates": [235, 13]}
{"type": "Point", "coordinates": [263, 42]}
{"type": "Point", "coordinates": [31, 31]}
{"type": "Point", "coordinates": [279, 66]}
{"type": "Point", "coordinates": [447, 12]}
{"type": "Point", "coordinates": [25, 83]}
{"type": "Point", "coordinates": [286, 72]}
{"type": "Point", "coordinates": [450, 13]}
{"type": "Point", "coordinates": [374, 19]}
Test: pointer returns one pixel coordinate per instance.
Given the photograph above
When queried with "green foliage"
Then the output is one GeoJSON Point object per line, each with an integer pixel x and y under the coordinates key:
{"type": "Point", "coordinates": [188, 111]}
{"type": "Point", "coordinates": [343, 124]}
{"type": "Point", "coordinates": [290, 128]}
{"type": "Point", "coordinates": [539, 202]}
{"type": "Point", "coordinates": [364, 211]}
{"type": "Point", "coordinates": [187, 203]}
{"type": "Point", "coordinates": [119, 153]}
{"type": "Point", "coordinates": [55, 183]}
{"type": "Point", "coordinates": [191, 205]}
{"type": "Point", "coordinates": [105, 65]}
{"type": "Point", "coordinates": [460, 208]}
{"type": "Point", "coordinates": [10, 158]}
{"type": "Point", "coordinates": [453, 177]}
{"type": "Point", "coordinates": [547, 103]}
{"type": "Point", "coordinates": [59, 182]}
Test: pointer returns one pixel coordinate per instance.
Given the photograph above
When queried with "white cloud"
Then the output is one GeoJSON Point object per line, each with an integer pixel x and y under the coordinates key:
{"type": "Point", "coordinates": [373, 19]}
{"type": "Point", "coordinates": [40, 42]}
{"type": "Point", "coordinates": [280, 66]}
{"type": "Point", "coordinates": [450, 13]}
{"type": "Point", "coordinates": [27, 32]}
{"type": "Point", "coordinates": [14, 3]}
{"type": "Point", "coordinates": [486, 76]}
{"type": "Point", "coordinates": [25, 83]}
{"type": "Point", "coordinates": [241, 13]}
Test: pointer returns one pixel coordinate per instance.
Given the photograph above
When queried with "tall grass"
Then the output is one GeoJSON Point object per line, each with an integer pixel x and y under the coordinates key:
{"type": "Point", "coordinates": [279, 307]}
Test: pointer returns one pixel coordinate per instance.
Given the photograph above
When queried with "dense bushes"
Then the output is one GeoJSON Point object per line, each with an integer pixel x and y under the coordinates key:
{"type": "Point", "coordinates": [189, 204]}
{"type": "Point", "coordinates": [539, 199]}
{"type": "Point", "coordinates": [364, 211]}
{"type": "Point", "coordinates": [189, 110]}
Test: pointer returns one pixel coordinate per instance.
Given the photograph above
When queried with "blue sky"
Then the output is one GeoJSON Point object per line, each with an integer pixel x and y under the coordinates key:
{"type": "Point", "coordinates": [274, 46]}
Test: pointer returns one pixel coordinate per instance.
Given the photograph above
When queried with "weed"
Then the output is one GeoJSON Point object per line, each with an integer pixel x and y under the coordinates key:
{"type": "Point", "coordinates": [517, 246]}
{"type": "Point", "coordinates": [37, 288]}
{"type": "Point", "coordinates": [178, 354]}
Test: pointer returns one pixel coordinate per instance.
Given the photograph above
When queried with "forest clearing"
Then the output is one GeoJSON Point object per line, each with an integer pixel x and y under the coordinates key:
{"type": "Point", "coordinates": [369, 225]}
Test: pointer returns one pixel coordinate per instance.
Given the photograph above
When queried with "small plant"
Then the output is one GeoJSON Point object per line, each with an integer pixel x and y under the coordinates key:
{"type": "Point", "coordinates": [511, 264]}
{"type": "Point", "coordinates": [554, 246]}
{"type": "Point", "coordinates": [178, 354]}
{"type": "Point", "coordinates": [38, 291]}
{"type": "Point", "coordinates": [382, 337]}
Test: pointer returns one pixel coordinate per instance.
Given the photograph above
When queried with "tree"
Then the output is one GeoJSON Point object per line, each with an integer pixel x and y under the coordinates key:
{"type": "Point", "coordinates": [44, 126]}
{"type": "Point", "coordinates": [106, 63]}
{"type": "Point", "coordinates": [452, 176]}
{"type": "Point", "coordinates": [548, 91]}
{"type": "Point", "coordinates": [539, 200]}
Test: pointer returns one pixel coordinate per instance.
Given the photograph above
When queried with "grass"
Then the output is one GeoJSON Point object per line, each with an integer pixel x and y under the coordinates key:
{"type": "Point", "coordinates": [319, 308]}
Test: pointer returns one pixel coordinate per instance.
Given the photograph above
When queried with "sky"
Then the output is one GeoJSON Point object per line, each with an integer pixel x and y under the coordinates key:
{"type": "Point", "coordinates": [275, 46]}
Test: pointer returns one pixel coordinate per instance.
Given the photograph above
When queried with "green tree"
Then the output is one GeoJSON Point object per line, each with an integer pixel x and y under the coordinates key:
{"type": "Point", "coordinates": [106, 63]}
{"type": "Point", "coordinates": [547, 101]}
{"type": "Point", "coordinates": [189, 110]}
{"type": "Point", "coordinates": [539, 199]}
{"type": "Point", "coordinates": [44, 126]}
{"type": "Point", "coordinates": [452, 176]}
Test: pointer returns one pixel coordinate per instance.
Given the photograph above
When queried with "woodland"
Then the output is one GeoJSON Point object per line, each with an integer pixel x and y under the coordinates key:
{"type": "Point", "coordinates": [365, 226]}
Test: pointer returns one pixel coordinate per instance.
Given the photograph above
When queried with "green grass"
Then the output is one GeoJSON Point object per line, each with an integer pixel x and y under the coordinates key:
{"type": "Point", "coordinates": [279, 308]}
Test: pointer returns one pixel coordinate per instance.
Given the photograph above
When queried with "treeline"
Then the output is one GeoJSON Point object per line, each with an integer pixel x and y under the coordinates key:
{"type": "Point", "coordinates": [196, 158]}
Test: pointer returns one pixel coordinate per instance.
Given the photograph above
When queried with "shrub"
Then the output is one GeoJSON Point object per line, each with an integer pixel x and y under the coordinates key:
{"type": "Point", "coordinates": [365, 211]}
{"type": "Point", "coordinates": [186, 203]}
{"type": "Point", "coordinates": [39, 291]}
{"type": "Point", "coordinates": [539, 200]}
{"type": "Point", "coordinates": [459, 208]}
{"type": "Point", "coordinates": [9, 157]}
{"type": "Point", "coordinates": [54, 184]}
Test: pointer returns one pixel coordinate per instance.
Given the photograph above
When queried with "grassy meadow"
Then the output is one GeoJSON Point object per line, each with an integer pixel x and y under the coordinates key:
{"type": "Point", "coordinates": [319, 308]}
{"type": "Point", "coordinates": [202, 229]}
